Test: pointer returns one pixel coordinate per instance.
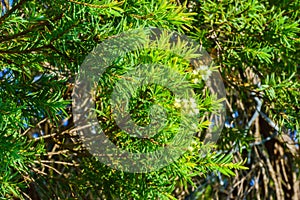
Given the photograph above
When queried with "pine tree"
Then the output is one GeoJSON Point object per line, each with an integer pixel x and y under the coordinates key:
{"type": "Point", "coordinates": [45, 44]}
{"type": "Point", "coordinates": [256, 45]}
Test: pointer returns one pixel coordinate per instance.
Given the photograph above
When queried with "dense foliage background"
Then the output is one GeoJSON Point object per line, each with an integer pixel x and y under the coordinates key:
{"type": "Point", "coordinates": [255, 46]}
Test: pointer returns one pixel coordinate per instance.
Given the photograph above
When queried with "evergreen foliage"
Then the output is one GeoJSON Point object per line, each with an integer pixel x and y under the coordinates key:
{"type": "Point", "coordinates": [255, 46]}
